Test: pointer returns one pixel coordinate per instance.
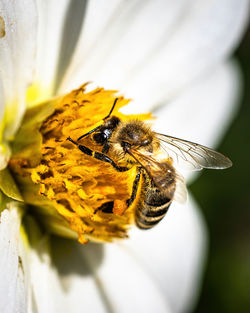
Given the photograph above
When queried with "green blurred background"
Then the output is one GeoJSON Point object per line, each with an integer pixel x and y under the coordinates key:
{"type": "Point", "coordinates": [225, 202]}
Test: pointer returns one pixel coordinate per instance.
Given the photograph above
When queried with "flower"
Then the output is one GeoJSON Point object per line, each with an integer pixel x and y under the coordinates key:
{"type": "Point", "coordinates": [173, 57]}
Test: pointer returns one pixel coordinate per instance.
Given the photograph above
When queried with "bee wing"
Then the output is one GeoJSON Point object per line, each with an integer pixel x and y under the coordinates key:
{"type": "Point", "coordinates": [156, 168]}
{"type": "Point", "coordinates": [180, 194]}
{"type": "Point", "coordinates": [191, 155]}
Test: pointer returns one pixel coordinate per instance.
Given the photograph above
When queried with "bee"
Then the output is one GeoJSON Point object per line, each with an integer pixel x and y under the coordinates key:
{"type": "Point", "coordinates": [154, 156]}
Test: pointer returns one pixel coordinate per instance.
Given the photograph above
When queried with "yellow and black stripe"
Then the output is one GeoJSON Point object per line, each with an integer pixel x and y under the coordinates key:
{"type": "Point", "coordinates": [153, 204]}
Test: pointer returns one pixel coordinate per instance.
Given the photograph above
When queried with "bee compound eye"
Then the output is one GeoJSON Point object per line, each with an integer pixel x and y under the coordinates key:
{"type": "Point", "coordinates": [100, 137]}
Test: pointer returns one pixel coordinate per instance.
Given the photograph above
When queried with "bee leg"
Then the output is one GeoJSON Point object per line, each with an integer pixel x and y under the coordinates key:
{"type": "Point", "coordinates": [99, 156]}
{"type": "Point", "coordinates": [135, 187]}
{"type": "Point", "coordinates": [105, 148]}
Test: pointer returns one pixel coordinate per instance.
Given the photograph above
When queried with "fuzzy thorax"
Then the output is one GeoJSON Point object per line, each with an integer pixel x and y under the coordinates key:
{"type": "Point", "coordinates": [64, 187]}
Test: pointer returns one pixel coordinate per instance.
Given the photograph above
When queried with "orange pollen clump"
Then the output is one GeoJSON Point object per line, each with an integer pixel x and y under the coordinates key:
{"type": "Point", "coordinates": [77, 185]}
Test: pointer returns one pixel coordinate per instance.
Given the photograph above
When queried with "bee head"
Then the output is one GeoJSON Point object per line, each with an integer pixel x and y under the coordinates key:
{"type": "Point", "coordinates": [104, 132]}
{"type": "Point", "coordinates": [135, 135]}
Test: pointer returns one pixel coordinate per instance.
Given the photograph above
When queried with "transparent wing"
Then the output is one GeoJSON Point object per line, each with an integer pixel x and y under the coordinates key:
{"type": "Point", "coordinates": [191, 155]}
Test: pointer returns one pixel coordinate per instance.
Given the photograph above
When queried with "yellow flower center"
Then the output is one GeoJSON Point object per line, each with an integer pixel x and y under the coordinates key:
{"type": "Point", "coordinates": [66, 187]}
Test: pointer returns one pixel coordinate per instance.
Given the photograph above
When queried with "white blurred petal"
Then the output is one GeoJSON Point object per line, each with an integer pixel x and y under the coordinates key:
{"type": "Point", "coordinates": [12, 280]}
{"type": "Point", "coordinates": [203, 113]}
{"type": "Point", "coordinates": [173, 253]}
{"type": "Point", "coordinates": [127, 283]}
{"type": "Point", "coordinates": [200, 42]}
{"type": "Point", "coordinates": [72, 286]}
{"type": "Point", "coordinates": [98, 18]}
{"type": "Point", "coordinates": [59, 28]}
{"type": "Point", "coordinates": [17, 53]}
{"type": "Point", "coordinates": [106, 279]}
{"type": "Point", "coordinates": [149, 63]}
{"type": "Point", "coordinates": [45, 289]}
{"type": "Point", "coordinates": [116, 37]}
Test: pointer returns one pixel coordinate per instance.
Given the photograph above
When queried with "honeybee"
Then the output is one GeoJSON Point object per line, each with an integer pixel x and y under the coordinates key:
{"type": "Point", "coordinates": [154, 156]}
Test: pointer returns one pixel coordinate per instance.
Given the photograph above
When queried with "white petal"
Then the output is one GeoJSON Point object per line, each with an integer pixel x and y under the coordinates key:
{"type": "Point", "coordinates": [127, 283]}
{"type": "Point", "coordinates": [152, 49]}
{"type": "Point", "coordinates": [82, 288]}
{"type": "Point", "coordinates": [105, 278]}
{"type": "Point", "coordinates": [59, 27]}
{"type": "Point", "coordinates": [98, 17]}
{"type": "Point", "coordinates": [200, 42]}
{"type": "Point", "coordinates": [115, 37]}
{"type": "Point", "coordinates": [205, 110]}
{"type": "Point", "coordinates": [45, 288]}
{"type": "Point", "coordinates": [203, 113]}
{"type": "Point", "coordinates": [173, 253]}
{"type": "Point", "coordinates": [12, 280]}
{"type": "Point", "coordinates": [17, 52]}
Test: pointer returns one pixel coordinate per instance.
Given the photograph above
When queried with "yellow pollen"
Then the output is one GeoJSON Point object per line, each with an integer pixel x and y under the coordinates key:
{"type": "Point", "coordinates": [2, 27]}
{"type": "Point", "coordinates": [67, 184]}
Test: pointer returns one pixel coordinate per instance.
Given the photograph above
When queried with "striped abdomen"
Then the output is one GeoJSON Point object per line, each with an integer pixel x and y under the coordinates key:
{"type": "Point", "coordinates": [153, 204]}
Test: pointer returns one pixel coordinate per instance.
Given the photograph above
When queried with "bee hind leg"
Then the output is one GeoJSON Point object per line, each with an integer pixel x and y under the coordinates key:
{"type": "Point", "coordinates": [135, 187]}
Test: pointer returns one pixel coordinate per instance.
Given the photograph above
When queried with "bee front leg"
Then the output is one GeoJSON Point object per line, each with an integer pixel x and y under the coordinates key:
{"type": "Point", "coordinates": [99, 156]}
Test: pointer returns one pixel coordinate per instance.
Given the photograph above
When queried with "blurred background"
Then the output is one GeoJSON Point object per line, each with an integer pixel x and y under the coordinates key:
{"type": "Point", "coordinates": [225, 202]}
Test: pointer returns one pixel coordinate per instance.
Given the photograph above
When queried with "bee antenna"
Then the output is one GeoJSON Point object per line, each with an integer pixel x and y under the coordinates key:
{"type": "Point", "coordinates": [112, 109]}
{"type": "Point", "coordinates": [90, 132]}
